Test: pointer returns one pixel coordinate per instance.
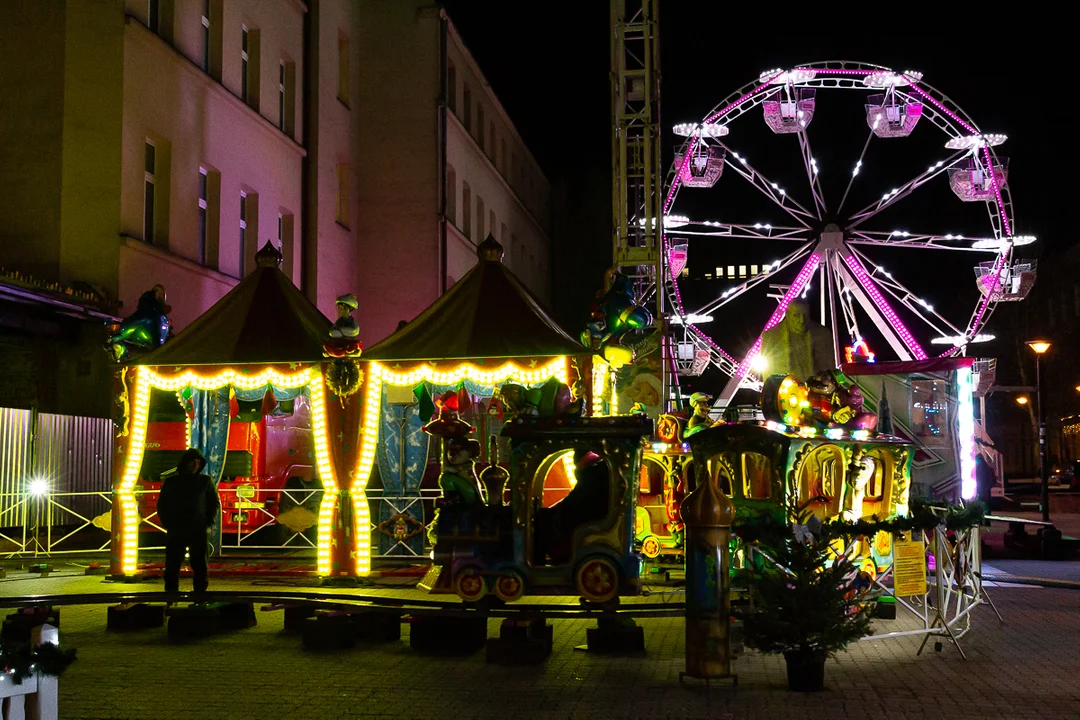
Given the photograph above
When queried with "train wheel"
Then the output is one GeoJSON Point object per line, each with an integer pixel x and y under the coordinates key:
{"type": "Point", "coordinates": [597, 580]}
{"type": "Point", "coordinates": [509, 587]}
{"type": "Point", "coordinates": [469, 585]}
{"type": "Point", "coordinates": [650, 547]}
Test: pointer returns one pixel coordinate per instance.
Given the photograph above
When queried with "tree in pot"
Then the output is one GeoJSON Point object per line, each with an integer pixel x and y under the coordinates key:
{"type": "Point", "coordinates": [807, 597]}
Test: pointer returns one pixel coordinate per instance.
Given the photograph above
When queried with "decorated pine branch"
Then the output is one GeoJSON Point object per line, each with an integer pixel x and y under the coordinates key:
{"type": "Point", "coordinates": [807, 599]}
{"type": "Point", "coordinates": [22, 661]}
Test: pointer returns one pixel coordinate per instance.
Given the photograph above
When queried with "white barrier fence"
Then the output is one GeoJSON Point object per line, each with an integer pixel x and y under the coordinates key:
{"type": "Point", "coordinates": [36, 696]}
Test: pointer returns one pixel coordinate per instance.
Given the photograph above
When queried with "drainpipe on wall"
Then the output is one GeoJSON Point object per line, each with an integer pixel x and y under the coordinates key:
{"type": "Point", "coordinates": [441, 153]}
{"type": "Point", "coordinates": [309, 196]}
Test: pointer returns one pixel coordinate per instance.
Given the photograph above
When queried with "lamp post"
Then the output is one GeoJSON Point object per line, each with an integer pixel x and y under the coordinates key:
{"type": "Point", "coordinates": [1039, 347]}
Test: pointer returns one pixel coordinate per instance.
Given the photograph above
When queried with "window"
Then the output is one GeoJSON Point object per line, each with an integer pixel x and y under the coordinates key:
{"type": "Point", "coordinates": [204, 192]}
{"type": "Point", "coordinates": [929, 412]}
{"type": "Point", "coordinates": [286, 96]}
{"type": "Point", "coordinates": [479, 237]}
{"type": "Point", "coordinates": [502, 156]}
{"type": "Point", "coordinates": [451, 194]}
{"type": "Point", "coordinates": [466, 209]}
{"type": "Point", "coordinates": [343, 194]}
{"type": "Point", "coordinates": [243, 234]}
{"type": "Point", "coordinates": [153, 15]}
{"type": "Point", "coordinates": [491, 141]}
{"type": "Point", "coordinates": [206, 35]}
{"type": "Point", "coordinates": [244, 60]}
{"type": "Point", "coordinates": [753, 269]}
{"type": "Point", "coordinates": [742, 271]}
{"type": "Point", "coordinates": [343, 68]}
{"type": "Point", "coordinates": [209, 217]}
{"type": "Point", "coordinates": [451, 87]}
{"type": "Point", "coordinates": [285, 241]}
{"type": "Point", "coordinates": [466, 108]}
{"type": "Point", "coordinates": [502, 233]}
{"type": "Point", "coordinates": [480, 125]}
{"type": "Point", "coordinates": [731, 271]}
{"type": "Point", "coordinates": [491, 222]}
{"type": "Point", "coordinates": [719, 272]}
{"type": "Point", "coordinates": [249, 67]}
{"type": "Point", "coordinates": [281, 94]}
{"type": "Point", "coordinates": [149, 191]}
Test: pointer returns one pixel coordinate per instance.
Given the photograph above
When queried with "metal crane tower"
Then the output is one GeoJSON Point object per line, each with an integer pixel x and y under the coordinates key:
{"type": "Point", "coordinates": [637, 182]}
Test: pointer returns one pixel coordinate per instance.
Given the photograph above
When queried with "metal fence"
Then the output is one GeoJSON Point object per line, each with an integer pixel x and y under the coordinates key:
{"type": "Point", "coordinates": [55, 475]}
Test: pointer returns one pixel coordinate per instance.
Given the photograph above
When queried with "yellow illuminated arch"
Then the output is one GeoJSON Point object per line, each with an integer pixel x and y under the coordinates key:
{"type": "Point", "coordinates": [147, 378]}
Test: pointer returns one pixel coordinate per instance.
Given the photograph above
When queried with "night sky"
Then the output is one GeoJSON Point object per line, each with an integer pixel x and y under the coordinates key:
{"type": "Point", "coordinates": [550, 69]}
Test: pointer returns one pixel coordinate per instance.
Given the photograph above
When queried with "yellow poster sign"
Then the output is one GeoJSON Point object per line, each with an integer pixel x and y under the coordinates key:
{"type": "Point", "coordinates": [909, 568]}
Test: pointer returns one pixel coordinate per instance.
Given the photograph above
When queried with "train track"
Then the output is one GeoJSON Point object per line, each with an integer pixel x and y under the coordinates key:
{"type": "Point", "coordinates": [354, 601]}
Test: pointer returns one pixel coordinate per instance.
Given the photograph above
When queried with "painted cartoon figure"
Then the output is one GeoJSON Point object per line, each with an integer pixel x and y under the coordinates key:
{"type": "Point", "coordinates": [145, 329]}
{"type": "Point", "coordinates": [345, 326]}
{"type": "Point", "coordinates": [700, 420]}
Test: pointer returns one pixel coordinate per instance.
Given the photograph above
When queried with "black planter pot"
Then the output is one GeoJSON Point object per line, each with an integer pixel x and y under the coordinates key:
{"type": "Point", "coordinates": [805, 670]}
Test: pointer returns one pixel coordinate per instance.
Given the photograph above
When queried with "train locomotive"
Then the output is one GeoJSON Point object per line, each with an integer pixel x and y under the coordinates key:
{"type": "Point", "coordinates": [500, 539]}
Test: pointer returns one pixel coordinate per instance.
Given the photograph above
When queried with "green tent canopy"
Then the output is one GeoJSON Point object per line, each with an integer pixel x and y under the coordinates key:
{"type": "Point", "coordinates": [264, 320]}
{"type": "Point", "coordinates": [488, 314]}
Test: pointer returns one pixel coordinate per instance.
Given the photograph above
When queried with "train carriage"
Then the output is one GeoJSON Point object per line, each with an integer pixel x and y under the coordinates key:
{"type": "Point", "coordinates": [583, 543]}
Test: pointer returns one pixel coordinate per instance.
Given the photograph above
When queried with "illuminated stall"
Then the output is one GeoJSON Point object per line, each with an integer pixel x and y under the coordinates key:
{"type": "Point", "coordinates": [262, 343]}
{"type": "Point", "coordinates": [931, 403]}
{"type": "Point", "coordinates": [486, 331]}
{"type": "Point", "coordinates": [819, 445]}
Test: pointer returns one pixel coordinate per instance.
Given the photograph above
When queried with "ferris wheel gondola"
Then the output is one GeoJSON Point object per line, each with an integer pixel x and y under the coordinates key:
{"type": "Point", "coordinates": [833, 244]}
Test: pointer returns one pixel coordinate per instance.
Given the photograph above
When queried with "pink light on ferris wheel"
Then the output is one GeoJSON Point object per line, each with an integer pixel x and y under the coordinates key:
{"type": "Point", "coordinates": [677, 259]}
{"type": "Point", "coordinates": [793, 292]}
{"type": "Point", "coordinates": [882, 304]}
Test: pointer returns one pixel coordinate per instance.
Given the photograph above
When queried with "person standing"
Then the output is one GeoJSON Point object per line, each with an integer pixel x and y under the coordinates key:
{"type": "Point", "coordinates": [187, 507]}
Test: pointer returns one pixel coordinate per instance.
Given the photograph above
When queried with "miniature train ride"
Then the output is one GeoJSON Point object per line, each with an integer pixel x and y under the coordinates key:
{"type": "Point", "coordinates": [500, 539]}
{"type": "Point", "coordinates": [496, 535]}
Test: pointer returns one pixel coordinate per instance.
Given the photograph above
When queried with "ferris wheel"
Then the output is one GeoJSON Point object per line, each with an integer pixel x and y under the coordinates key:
{"type": "Point", "coordinates": [833, 242]}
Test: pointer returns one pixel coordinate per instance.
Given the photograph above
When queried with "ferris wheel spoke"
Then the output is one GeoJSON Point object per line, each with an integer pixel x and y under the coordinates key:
{"type": "Point", "coordinates": [904, 239]}
{"type": "Point", "coordinates": [855, 172]}
{"type": "Point", "coordinates": [810, 163]}
{"type": "Point", "coordinates": [890, 198]}
{"type": "Point", "coordinates": [757, 231]}
{"type": "Point", "coordinates": [917, 305]}
{"type": "Point", "coordinates": [734, 292]}
{"type": "Point", "coordinates": [851, 320]}
{"type": "Point", "coordinates": [771, 190]}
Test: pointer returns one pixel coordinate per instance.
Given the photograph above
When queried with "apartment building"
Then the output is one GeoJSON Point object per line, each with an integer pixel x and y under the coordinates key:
{"type": "Point", "coordinates": [149, 142]}
{"type": "Point", "coordinates": [444, 167]}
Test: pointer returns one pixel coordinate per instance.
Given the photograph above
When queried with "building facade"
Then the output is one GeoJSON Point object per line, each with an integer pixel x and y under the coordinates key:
{"type": "Point", "coordinates": [443, 167]}
{"type": "Point", "coordinates": [148, 142]}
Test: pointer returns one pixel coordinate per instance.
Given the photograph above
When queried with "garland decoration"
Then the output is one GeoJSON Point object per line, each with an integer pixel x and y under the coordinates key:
{"type": "Point", "coordinates": [923, 516]}
{"type": "Point", "coordinates": [45, 659]}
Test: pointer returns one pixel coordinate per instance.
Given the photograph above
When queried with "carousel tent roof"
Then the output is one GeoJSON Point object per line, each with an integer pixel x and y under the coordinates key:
{"type": "Point", "coordinates": [486, 314]}
{"type": "Point", "coordinates": [265, 319]}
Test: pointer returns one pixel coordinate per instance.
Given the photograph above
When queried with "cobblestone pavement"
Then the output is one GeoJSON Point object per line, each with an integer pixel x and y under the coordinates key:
{"type": "Point", "coordinates": [1026, 668]}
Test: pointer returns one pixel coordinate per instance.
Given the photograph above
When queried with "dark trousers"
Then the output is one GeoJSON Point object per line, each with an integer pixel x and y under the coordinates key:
{"type": "Point", "coordinates": [176, 544]}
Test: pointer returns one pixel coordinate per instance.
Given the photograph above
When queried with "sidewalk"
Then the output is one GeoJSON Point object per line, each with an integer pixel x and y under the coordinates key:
{"type": "Point", "coordinates": [1025, 668]}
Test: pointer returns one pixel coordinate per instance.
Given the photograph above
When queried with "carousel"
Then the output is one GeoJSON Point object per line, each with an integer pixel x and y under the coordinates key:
{"type": "Point", "coordinates": [261, 384]}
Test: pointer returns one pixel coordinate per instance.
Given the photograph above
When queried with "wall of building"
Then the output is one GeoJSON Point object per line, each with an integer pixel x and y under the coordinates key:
{"type": "Point", "coordinates": [331, 249]}
{"type": "Point", "coordinates": [485, 154]}
{"type": "Point", "coordinates": [398, 183]}
{"type": "Point", "coordinates": [199, 124]}
{"type": "Point", "coordinates": [59, 132]}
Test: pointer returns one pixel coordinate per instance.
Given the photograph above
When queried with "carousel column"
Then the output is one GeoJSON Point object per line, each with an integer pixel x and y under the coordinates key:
{"type": "Point", "coordinates": [708, 515]}
{"type": "Point", "coordinates": [127, 457]}
{"type": "Point", "coordinates": [339, 544]}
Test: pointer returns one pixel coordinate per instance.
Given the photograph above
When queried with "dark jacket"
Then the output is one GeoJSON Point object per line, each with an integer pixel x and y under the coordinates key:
{"type": "Point", "coordinates": [188, 504]}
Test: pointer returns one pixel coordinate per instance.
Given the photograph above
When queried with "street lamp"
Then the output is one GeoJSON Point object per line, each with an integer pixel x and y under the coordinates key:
{"type": "Point", "coordinates": [1039, 347]}
{"type": "Point", "coordinates": [1022, 400]}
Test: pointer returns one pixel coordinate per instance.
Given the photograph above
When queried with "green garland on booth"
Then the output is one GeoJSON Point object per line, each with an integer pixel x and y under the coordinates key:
{"type": "Point", "coordinates": [45, 659]}
{"type": "Point", "coordinates": [922, 517]}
